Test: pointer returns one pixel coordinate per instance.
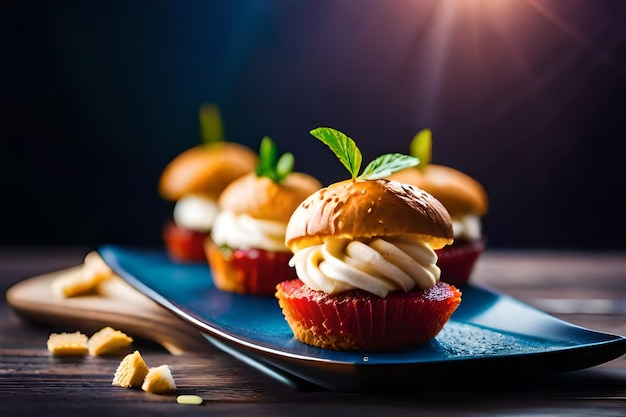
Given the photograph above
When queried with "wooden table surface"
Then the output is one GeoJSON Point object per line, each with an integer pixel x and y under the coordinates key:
{"type": "Point", "coordinates": [34, 383]}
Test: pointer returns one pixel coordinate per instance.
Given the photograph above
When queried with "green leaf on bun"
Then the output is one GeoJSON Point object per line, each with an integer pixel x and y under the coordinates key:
{"type": "Point", "coordinates": [269, 165]}
{"type": "Point", "coordinates": [350, 156]}
{"type": "Point", "coordinates": [421, 147]}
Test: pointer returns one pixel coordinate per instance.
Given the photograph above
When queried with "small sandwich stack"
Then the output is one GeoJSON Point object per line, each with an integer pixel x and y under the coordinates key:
{"type": "Point", "coordinates": [463, 197]}
{"type": "Point", "coordinates": [193, 181]}
{"type": "Point", "coordinates": [246, 250]}
{"type": "Point", "coordinates": [364, 253]}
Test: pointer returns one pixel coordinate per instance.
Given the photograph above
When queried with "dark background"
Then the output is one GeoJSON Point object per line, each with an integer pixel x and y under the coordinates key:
{"type": "Point", "coordinates": [527, 96]}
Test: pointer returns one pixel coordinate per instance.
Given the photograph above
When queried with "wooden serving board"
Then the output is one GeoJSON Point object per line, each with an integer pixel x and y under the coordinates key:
{"type": "Point", "coordinates": [117, 305]}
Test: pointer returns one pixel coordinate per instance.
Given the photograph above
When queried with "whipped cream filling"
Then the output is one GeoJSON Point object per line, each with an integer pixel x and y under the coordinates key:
{"type": "Point", "coordinates": [467, 227]}
{"type": "Point", "coordinates": [195, 212]}
{"type": "Point", "coordinates": [377, 266]}
{"type": "Point", "coordinates": [244, 232]}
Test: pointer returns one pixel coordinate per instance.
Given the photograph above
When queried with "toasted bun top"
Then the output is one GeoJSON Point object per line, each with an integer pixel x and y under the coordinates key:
{"type": "Point", "coordinates": [205, 169]}
{"type": "Point", "coordinates": [369, 208]}
{"type": "Point", "coordinates": [262, 198]}
{"type": "Point", "coordinates": [458, 192]}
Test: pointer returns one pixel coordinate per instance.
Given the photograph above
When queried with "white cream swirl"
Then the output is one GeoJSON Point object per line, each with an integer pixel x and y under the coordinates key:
{"type": "Point", "coordinates": [377, 266]}
{"type": "Point", "coordinates": [467, 227]}
{"type": "Point", "coordinates": [244, 232]}
{"type": "Point", "coordinates": [195, 212]}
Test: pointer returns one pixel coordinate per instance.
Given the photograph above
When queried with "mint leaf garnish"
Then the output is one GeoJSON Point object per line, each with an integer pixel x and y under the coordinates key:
{"type": "Point", "coordinates": [344, 148]}
{"type": "Point", "coordinates": [210, 124]}
{"type": "Point", "coordinates": [387, 164]}
{"type": "Point", "coordinates": [269, 166]}
{"type": "Point", "coordinates": [267, 158]}
{"type": "Point", "coordinates": [349, 154]}
{"type": "Point", "coordinates": [421, 147]}
{"type": "Point", "coordinates": [284, 166]}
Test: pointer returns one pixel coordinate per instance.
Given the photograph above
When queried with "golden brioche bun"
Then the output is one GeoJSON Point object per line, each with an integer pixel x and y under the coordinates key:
{"type": "Point", "coordinates": [366, 208]}
{"type": "Point", "coordinates": [458, 192]}
{"type": "Point", "coordinates": [262, 198]}
{"type": "Point", "coordinates": [206, 169]}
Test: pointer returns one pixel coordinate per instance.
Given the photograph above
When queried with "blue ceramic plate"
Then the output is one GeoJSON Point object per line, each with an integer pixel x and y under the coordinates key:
{"type": "Point", "coordinates": [489, 333]}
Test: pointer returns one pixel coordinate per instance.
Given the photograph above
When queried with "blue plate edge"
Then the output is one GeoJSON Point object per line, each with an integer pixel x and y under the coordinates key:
{"type": "Point", "coordinates": [107, 253]}
{"type": "Point", "coordinates": [201, 325]}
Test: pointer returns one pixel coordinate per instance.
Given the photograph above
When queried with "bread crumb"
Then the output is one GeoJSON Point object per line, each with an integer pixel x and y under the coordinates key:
{"type": "Point", "coordinates": [131, 372]}
{"type": "Point", "coordinates": [108, 341]}
{"type": "Point", "coordinates": [159, 380]}
{"type": "Point", "coordinates": [68, 344]}
{"type": "Point", "coordinates": [73, 284]}
{"type": "Point", "coordinates": [189, 399]}
{"type": "Point", "coordinates": [95, 265]}
{"type": "Point", "coordinates": [83, 280]}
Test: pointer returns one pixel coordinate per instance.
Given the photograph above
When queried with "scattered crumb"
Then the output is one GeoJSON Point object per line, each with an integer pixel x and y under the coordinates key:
{"type": "Point", "coordinates": [68, 344]}
{"type": "Point", "coordinates": [73, 284]}
{"type": "Point", "coordinates": [189, 399]}
{"type": "Point", "coordinates": [159, 380]}
{"type": "Point", "coordinates": [84, 280]}
{"type": "Point", "coordinates": [95, 265]}
{"type": "Point", "coordinates": [108, 341]}
{"type": "Point", "coordinates": [131, 372]}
